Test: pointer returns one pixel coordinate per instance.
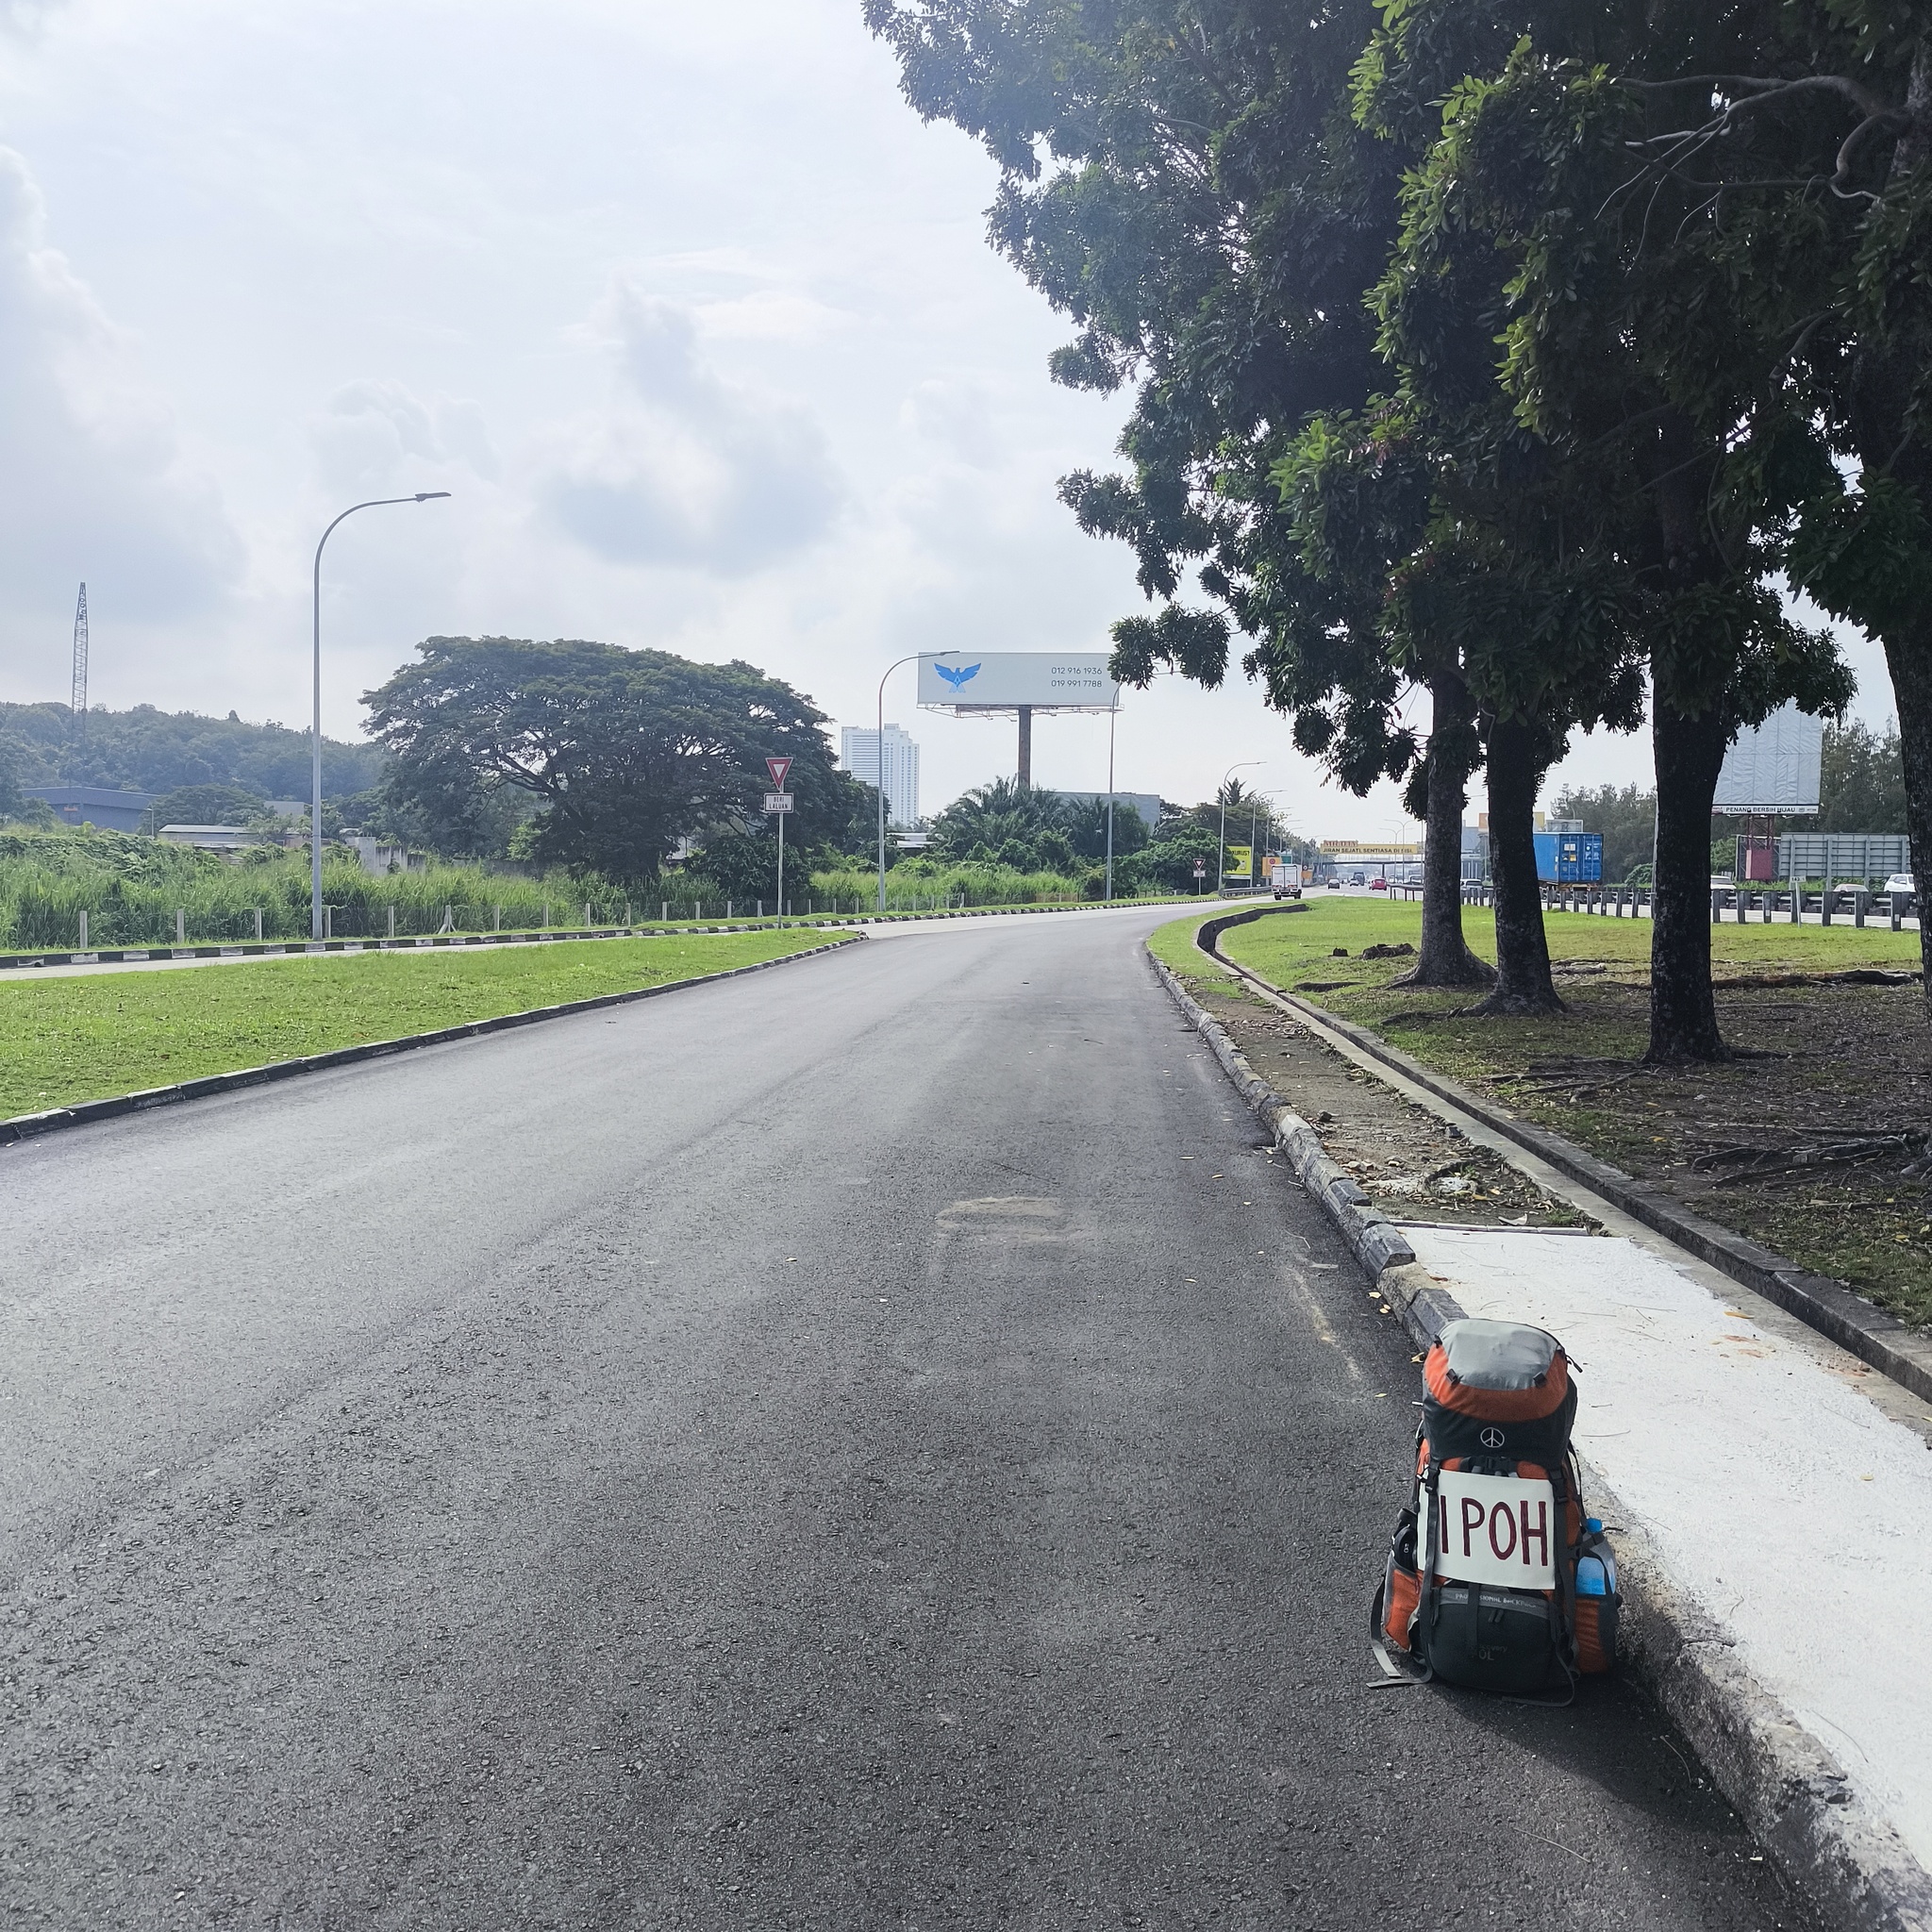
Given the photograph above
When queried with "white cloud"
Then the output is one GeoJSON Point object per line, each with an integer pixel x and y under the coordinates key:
{"type": "Point", "coordinates": [23, 19]}
{"type": "Point", "coordinates": [956, 413]}
{"type": "Point", "coordinates": [376, 434]}
{"type": "Point", "coordinates": [684, 468]}
{"type": "Point", "coordinates": [91, 479]}
{"type": "Point", "coordinates": [770, 315]}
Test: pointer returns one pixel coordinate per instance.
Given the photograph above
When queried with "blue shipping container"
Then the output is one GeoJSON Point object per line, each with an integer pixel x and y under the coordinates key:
{"type": "Point", "coordinates": [1570, 858]}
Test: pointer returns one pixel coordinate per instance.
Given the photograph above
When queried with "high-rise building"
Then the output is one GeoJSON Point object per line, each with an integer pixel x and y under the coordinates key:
{"type": "Point", "coordinates": [858, 752]}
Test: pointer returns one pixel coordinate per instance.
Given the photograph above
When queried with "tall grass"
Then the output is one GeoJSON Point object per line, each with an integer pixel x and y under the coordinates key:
{"type": "Point", "coordinates": [131, 889]}
{"type": "Point", "coordinates": [918, 885]}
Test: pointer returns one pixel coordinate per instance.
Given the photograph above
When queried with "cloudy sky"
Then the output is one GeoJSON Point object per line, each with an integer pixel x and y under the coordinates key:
{"type": "Point", "coordinates": [685, 309]}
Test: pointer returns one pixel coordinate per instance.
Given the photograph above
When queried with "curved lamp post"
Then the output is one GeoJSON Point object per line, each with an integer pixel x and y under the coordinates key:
{"type": "Point", "coordinates": [879, 747]}
{"type": "Point", "coordinates": [1221, 856]}
{"type": "Point", "coordinates": [315, 770]}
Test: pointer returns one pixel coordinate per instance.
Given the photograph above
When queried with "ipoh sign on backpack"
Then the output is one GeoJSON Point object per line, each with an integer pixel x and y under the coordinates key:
{"type": "Point", "coordinates": [1495, 1529]}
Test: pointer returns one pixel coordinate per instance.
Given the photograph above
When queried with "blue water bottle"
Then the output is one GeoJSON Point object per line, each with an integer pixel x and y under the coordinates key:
{"type": "Point", "coordinates": [1601, 1555]}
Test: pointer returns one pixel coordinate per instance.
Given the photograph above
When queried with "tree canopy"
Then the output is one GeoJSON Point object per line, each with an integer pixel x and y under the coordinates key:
{"type": "Point", "coordinates": [143, 749]}
{"type": "Point", "coordinates": [1516, 353]}
{"type": "Point", "coordinates": [625, 753]}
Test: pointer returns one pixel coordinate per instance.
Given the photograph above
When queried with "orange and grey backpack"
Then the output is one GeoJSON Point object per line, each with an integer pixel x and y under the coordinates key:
{"type": "Point", "coordinates": [1496, 1579]}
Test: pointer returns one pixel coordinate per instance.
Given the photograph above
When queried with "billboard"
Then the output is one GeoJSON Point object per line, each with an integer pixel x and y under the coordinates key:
{"type": "Point", "coordinates": [1004, 681]}
{"type": "Point", "coordinates": [1775, 766]}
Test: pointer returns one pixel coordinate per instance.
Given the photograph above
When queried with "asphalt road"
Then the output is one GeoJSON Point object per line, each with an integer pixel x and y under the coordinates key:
{"type": "Point", "coordinates": [876, 1444]}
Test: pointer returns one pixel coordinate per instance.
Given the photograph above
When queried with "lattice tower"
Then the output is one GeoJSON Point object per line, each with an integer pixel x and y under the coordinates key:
{"type": "Point", "coordinates": [80, 660]}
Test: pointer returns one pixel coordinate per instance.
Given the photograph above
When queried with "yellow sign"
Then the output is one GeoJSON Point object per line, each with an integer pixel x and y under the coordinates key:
{"type": "Point", "coordinates": [1240, 858]}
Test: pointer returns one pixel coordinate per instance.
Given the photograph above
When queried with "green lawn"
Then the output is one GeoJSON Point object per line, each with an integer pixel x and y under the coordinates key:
{"type": "Point", "coordinates": [1301, 945]}
{"type": "Point", "coordinates": [1818, 1056]}
{"type": "Point", "coordinates": [90, 1037]}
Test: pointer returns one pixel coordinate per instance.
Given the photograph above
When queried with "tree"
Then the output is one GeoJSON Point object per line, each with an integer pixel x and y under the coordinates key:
{"type": "Point", "coordinates": [625, 752]}
{"type": "Point", "coordinates": [1005, 824]}
{"type": "Point", "coordinates": [1805, 143]}
{"type": "Point", "coordinates": [11, 800]}
{"type": "Point", "coordinates": [1177, 847]}
{"type": "Point", "coordinates": [143, 749]}
{"type": "Point", "coordinates": [207, 805]}
{"type": "Point", "coordinates": [1211, 221]}
{"type": "Point", "coordinates": [1863, 781]}
{"type": "Point", "coordinates": [1085, 824]}
{"type": "Point", "coordinates": [441, 803]}
{"type": "Point", "coordinates": [1626, 820]}
{"type": "Point", "coordinates": [1637, 367]}
{"type": "Point", "coordinates": [741, 866]}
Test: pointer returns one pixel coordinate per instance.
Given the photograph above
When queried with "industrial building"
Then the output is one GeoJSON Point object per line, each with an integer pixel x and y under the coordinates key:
{"type": "Point", "coordinates": [94, 805]}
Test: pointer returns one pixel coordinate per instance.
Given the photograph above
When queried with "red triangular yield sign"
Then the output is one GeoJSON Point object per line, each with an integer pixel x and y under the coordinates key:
{"type": "Point", "coordinates": [778, 768]}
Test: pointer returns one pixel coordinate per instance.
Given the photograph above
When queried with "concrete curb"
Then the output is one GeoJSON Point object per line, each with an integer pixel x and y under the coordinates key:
{"type": "Point", "coordinates": [1848, 1319]}
{"type": "Point", "coordinates": [119, 955]}
{"type": "Point", "coordinates": [251, 949]}
{"type": "Point", "coordinates": [1377, 1242]}
{"type": "Point", "coordinates": [1789, 1789]}
{"type": "Point", "coordinates": [27, 1127]}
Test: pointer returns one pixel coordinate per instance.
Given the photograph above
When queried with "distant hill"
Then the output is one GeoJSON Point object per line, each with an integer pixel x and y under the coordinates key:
{"type": "Point", "coordinates": [146, 750]}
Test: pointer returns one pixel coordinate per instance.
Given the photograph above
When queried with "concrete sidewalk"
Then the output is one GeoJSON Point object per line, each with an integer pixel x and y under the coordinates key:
{"type": "Point", "coordinates": [1797, 1515]}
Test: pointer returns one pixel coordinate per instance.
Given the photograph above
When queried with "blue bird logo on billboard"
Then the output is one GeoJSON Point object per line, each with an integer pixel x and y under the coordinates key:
{"type": "Point", "coordinates": [956, 678]}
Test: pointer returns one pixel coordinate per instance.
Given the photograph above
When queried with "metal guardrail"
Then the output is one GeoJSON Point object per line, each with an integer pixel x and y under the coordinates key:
{"type": "Point", "coordinates": [1745, 904]}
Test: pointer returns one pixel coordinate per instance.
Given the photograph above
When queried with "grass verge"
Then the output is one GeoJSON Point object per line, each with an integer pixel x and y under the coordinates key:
{"type": "Point", "coordinates": [1830, 1062]}
{"type": "Point", "coordinates": [66, 1041]}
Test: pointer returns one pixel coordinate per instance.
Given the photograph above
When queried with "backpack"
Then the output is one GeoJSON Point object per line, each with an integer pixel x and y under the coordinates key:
{"type": "Point", "coordinates": [1482, 1585]}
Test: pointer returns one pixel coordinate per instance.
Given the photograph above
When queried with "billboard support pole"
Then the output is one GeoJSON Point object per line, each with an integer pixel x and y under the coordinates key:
{"type": "Point", "coordinates": [1026, 746]}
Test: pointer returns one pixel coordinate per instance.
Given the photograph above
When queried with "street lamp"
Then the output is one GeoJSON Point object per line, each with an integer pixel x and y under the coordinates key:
{"type": "Point", "coordinates": [1113, 712]}
{"type": "Point", "coordinates": [1221, 855]}
{"type": "Point", "coordinates": [315, 768]}
{"type": "Point", "coordinates": [879, 744]}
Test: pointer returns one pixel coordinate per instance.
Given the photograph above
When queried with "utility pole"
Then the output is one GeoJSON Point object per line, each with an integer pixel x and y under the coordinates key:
{"type": "Point", "coordinates": [1110, 717]}
{"type": "Point", "coordinates": [78, 705]}
{"type": "Point", "coordinates": [879, 749]}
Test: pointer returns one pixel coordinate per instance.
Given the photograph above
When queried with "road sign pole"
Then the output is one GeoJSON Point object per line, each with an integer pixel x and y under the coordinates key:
{"type": "Point", "coordinates": [777, 800]}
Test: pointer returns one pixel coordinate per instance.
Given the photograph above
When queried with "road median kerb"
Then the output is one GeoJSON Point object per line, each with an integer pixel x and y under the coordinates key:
{"type": "Point", "coordinates": [1856, 1324]}
{"type": "Point", "coordinates": [1787, 1786]}
{"type": "Point", "coordinates": [28, 1127]}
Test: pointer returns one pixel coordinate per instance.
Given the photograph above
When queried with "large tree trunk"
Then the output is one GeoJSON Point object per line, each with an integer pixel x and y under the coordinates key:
{"type": "Point", "coordinates": [1909, 658]}
{"type": "Point", "coordinates": [1454, 749]}
{"type": "Point", "coordinates": [1893, 441]}
{"type": "Point", "coordinates": [1523, 951]}
{"type": "Point", "coordinates": [1689, 751]}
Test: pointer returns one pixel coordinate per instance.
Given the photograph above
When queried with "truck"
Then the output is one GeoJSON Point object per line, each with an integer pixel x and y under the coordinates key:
{"type": "Point", "coordinates": [1285, 880]}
